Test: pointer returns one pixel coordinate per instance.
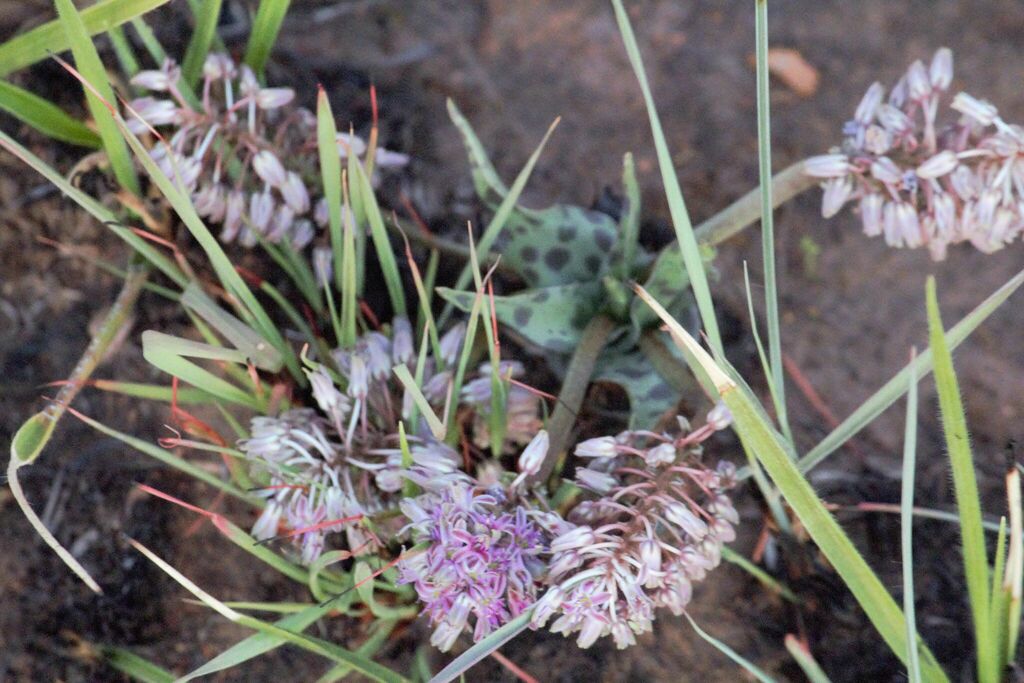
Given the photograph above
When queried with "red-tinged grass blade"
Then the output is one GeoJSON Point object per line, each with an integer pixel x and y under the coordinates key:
{"type": "Point", "coordinates": [758, 436]}
{"type": "Point", "coordinates": [483, 648]}
{"type": "Point", "coordinates": [265, 28]}
{"type": "Point", "coordinates": [97, 210]}
{"type": "Point", "coordinates": [46, 117]}
{"type": "Point", "coordinates": [91, 68]}
{"type": "Point", "coordinates": [49, 38]}
{"type": "Point", "coordinates": [170, 459]}
{"type": "Point", "coordinates": [968, 501]}
{"type": "Point", "coordinates": [805, 660]}
{"type": "Point", "coordinates": [1013, 585]}
{"type": "Point", "coordinates": [153, 392]}
{"type": "Point", "coordinates": [323, 648]}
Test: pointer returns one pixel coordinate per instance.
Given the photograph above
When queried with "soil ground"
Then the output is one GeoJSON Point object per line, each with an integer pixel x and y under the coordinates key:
{"type": "Point", "coordinates": [850, 314]}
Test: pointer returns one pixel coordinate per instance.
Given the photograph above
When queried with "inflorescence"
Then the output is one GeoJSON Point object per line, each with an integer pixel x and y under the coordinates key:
{"type": "Point", "coordinates": [920, 182]}
{"type": "Point", "coordinates": [246, 153]}
{"type": "Point", "coordinates": [652, 522]}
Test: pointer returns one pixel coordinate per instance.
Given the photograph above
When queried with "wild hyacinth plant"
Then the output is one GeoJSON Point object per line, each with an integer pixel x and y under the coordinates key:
{"type": "Point", "coordinates": [919, 181]}
{"type": "Point", "coordinates": [386, 466]}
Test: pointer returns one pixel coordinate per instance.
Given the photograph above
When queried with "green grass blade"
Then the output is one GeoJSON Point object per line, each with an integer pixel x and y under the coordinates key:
{"type": "Point", "coordinates": [907, 529]}
{"type": "Point", "coordinates": [97, 210]}
{"type": "Point", "coordinates": [968, 502]}
{"type": "Point", "coordinates": [258, 643]}
{"type": "Point", "coordinates": [483, 648]}
{"type": "Point", "coordinates": [149, 40]}
{"type": "Point", "coordinates": [170, 459]}
{"type": "Point", "coordinates": [805, 660]}
{"type": "Point", "coordinates": [407, 380]}
{"type": "Point", "coordinates": [757, 434]}
{"type": "Point", "coordinates": [199, 44]}
{"type": "Point", "coordinates": [321, 647]}
{"type": "Point", "coordinates": [764, 155]}
{"type": "Point", "coordinates": [45, 116]}
{"type": "Point", "coordinates": [677, 206]}
{"type": "Point", "coordinates": [168, 353]}
{"type": "Point", "coordinates": [131, 664]}
{"type": "Point", "coordinates": [753, 670]}
{"type": "Point", "coordinates": [893, 390]}
{"type": "Point", "coordinates": [381, 244]}
{"type": "Point", "coordinates": [508, 202]}
{"type": "Point", "coordinates": [88, 63]}
{"type": "Point", "coordinates": [123, 51]}
{"type": "Point", "coordinates": [629, 223]}
{"type": "Point", "coordinates": [770, 582]}
{"type": "Point", "coordinates": [49, 38]}
{"type": "Point", "coordinates": [265, 28]}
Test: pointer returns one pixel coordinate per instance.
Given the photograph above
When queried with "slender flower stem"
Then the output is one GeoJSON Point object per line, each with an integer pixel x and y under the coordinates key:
{"type": "Point", "coordinates": [743, 212]}
{"type": "Point", "coordinates": [574, 388]}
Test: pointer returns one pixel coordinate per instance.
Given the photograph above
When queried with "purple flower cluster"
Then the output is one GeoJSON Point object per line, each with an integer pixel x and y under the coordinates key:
{"type": "Point", "coordinates": [481, 560]}
{"type": "Point", "coordinates": [919, 183]}
{"type": "Point", "coordinates": [246, 153]}
{"type": "Point", "coordinates": [328, 470]}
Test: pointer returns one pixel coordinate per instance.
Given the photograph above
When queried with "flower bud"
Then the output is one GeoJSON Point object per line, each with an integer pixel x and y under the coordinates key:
{"type": "Point", "coordinates": [401, 340]}
{"type": "Point", "coordinates": [533, 455]}
{"type": "Point", "coordinates": [598, 447]}
{"type": "Point", "coordinates": [918, 85]}
{"type": "Point", "coordinates": [980, 111]}
{"type": "Point", "coordinates": [579, 537]}
{"type": "Point", "coordinates": [261, 210]}
{"type": "Point", "coordinates": [865, 113]}
{"type": "Point", "coordinates": [886, 171]}
{"type": "Point", "coordinates": [836, 193]}
{"type": "Point", "coordinates": [295, 193]}
{"type": "Point", "coordinates": [662, 454]}
{"type": "Point", "coordinates": [268, 167]}
{"type": "Point", "coordinates": [871, 213]}
{"type": "Point", "coordinates": [218, 65]}
{"type": "Point", "coordinates": [681, 515]}
{"type": "Point", "coordinates": [302, 233]}
{"type": "Point", "coordinates": [938, 165]}
{"type": "Point", "coordinates": [827, 166]}
{"type": "Point", "coordinates": [350, 144]}
{"type": "Point", "coordinates": [156, 80]}
{"type": "Point", "coordinates": [720, 417]}
{"type": "Point", "coordinates": [599, 482]}
{"type": "Point", "coordinates": [273, 98]}
{"type": "Point", "coordinates": [940, 73]}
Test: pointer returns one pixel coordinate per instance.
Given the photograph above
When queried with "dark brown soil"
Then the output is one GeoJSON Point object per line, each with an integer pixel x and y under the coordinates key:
{"type": "Point", "coordinates": [850, 316]}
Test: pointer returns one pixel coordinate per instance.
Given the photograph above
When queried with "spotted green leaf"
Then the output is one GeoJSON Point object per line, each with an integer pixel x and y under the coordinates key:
{"type": "Point", "coordinates": [551, 317]}
{"type": "Point", "coordinates": [649, 394]}
{"type": "Point", "coordinates": [559, 245]}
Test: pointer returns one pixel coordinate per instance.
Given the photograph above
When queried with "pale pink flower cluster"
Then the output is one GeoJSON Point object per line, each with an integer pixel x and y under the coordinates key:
{"type": "Point", "coordinates": [246, 153]}
{"type": "Point", "coordinates": [920, 182]}
{"type": "Point", "coordinates": [655, 526]}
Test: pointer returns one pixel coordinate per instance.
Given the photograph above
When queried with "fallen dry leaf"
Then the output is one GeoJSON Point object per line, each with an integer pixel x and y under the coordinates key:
{"type": "Point", "coordinates": [790, 67]}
